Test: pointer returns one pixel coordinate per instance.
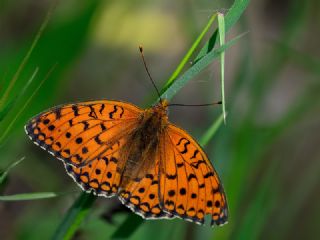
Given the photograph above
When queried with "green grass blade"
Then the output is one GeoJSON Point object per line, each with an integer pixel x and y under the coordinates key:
{"type": "Point", "coordinates": [26, 57]}
{"type": "Point", "coordinates": [187, 57]}
{"type": "Point", "coordinates": [262, 203]}
{"type": "Point", "coordinates": [235, 12]}
{"type": "Point", "coordinates": [6, 172]}
{"type": "Point", "coordinates": [5, 133]}
{"type": "Point", "coordinates": [197, 68]}
{"type": "Point", "coordinates": [207, 47]}
{"type": "Point", "coordinates": [6, 108]}
{"type": "Point", "coordinates": [233, 15]}
{"type": "Point", "coordinates": [128, 227]}
{"type": "Point", "coordinates": [8, 105]}
{"type": "Point", "coordinates": [29, 196]}
{"type": "Point", "coordinates": [222, 37]}
{"type": "Point", "coordinates": [74, 217]}
{"type": "Point", "coordinates": [208, 135]}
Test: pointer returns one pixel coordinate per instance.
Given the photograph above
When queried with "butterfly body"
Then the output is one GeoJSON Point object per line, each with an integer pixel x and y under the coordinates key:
{"type": "Point", "coordinates": [115, 148]}
{"type": "Point", "coordinates": [139, 152]}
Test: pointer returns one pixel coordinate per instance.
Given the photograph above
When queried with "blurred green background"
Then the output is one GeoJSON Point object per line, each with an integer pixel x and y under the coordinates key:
{"type": "Point", "coordinates": [267, 156]}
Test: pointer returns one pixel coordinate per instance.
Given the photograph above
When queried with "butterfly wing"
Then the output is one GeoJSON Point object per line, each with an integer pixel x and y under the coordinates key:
{"type": "Point", "coordinates": [189, 185]}
{"type": "Point", "coordinates": [142, 195]}
{"type": "Point", "coordinates": [79, 133]}
{"type": "Point", "coordinates": [87, 137]}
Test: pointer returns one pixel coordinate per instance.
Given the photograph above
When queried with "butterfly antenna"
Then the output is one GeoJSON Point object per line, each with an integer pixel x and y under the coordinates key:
{"type": "Point", "coordinates": [146, 67]}
{"type": "Point", "coordinates": [195, 105]}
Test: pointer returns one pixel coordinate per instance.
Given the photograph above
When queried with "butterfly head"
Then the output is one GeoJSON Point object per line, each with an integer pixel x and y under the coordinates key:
{"type": "Point", "coordinates": [161, 108]}
{"type": "Point", "coordinates": [159, 111]}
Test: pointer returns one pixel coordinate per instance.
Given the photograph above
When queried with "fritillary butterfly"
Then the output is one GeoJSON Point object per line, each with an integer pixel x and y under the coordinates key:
{"type": "Point", "coordinates": [115, 148]}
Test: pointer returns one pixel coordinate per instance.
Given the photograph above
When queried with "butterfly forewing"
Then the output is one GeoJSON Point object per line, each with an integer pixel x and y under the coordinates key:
{"type": "Point", "coordinates": [87, 137]}
{"type": "Point", "coordinates": [80, 133]}
{"type": "Point", "coordinates": [189, 185]}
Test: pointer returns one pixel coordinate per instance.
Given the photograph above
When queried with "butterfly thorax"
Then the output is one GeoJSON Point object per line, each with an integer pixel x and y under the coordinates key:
{"type": "Point", "coordinates": [140, 150]}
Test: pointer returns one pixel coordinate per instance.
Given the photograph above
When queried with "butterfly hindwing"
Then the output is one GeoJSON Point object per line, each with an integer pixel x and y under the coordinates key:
{"type": "Point", "coordinates": [142, 195]}
{"type": "Point", "coordinates": [189, 185]}
{"type": "Point", "coordinates": [99, 176]}
{"type": "Point", "coordinates": [82, 132]}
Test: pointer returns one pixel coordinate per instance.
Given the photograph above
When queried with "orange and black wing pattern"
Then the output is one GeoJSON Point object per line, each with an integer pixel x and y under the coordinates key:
{"type": "Point", "coordinates": [189, 185]}
{"type": "Point", "coordinates": [142, 195]}
{"type": "Point", "coordinates": [87, 137]}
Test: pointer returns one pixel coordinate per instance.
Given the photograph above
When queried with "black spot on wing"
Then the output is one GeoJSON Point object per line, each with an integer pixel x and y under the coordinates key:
{"type": "Point", "coordinates": [171, 176]}
{"type": "Point", "coordinates": [97, 140]}
{"type": "Point", "coordinates": [185, 150]}
{"type": "Point", "coordinates": [92, 112]}
{"type": "Point", "coordinates": [191, 176]}
{"type": "Point", "coordinates": [75, 110]}
{"type": "Point", "coordinates": [122, 111]}
{"type": "Point", "coordinates": [195, 153]}
{"type": "Point", "coordinates": [57, 112]}
{"type": "Point", "coordinates": [103, 127]}
{"type": "Point", "coordinates": [196, 165]}
{"type": "Point", "coordinates": [101, 108]}
{"type": "Point", "coordinates": [85, 125]}
{"type": "Point", "coordinates": [115, 109]}
{"type": "Point", "coordinates": [179, 165]}
{"type": "Point", "coordinates": [181, 139]}
{"type": "Point", "coordinates": [209, 174]}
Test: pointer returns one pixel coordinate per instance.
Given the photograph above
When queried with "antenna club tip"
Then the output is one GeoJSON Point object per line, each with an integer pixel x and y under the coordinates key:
{"type": "Point", "coordinates": [220, 102]}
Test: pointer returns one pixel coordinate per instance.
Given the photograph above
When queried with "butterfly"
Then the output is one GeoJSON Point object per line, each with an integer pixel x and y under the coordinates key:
{"type": "Point", "coordinates": [114, 148]}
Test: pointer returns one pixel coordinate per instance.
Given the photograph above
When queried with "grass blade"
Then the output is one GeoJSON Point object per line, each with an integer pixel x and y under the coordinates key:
{"type": "Point", "coordinates": [222, 37]}
{"type": "Point", "coordinates": [197, 68]}
{"type": "Point", "coordinates": [187, 57]}
{"type": "Point", "coordinates": [26, 103]}
{"type": "Point", "coordinates": [26, 57]}
{"type": "Point", "coordinates": [128, 227]}
{"type": "Point", "coordinates": [29, 196]}
{"type": "Point", "coordinates": [6, 172]}
{"type": "Point", "coordinates": [74, 217]}
{"type": "Point", "coordinates": [11, 103]}
{"type": "Point", "coordinates": [6, 108]}
{"type": "Point", "coordinates": [233, 15]}
{"type": "Point", "coordinates": [208, 135]}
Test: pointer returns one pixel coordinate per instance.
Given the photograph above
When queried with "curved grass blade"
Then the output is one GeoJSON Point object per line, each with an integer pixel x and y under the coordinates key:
{"type": "Point", "coordinates": [27, 56]}
{"type": "Point", "coordinates": [6, 108]}
{"type": "Point", "coordinates": [128, 227]}
{"type": "Point", "coordinates": [6, 172]}
{"type": "Point", "coordinates": [74, 217]}
{"type": "Point", "coordinates": [208, 135]}
{"type": "Point", "coordinates": [3, 136]}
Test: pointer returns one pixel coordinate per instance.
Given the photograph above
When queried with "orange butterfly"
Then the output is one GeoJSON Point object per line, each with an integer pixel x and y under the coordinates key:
{"type": "Point", "coordinates": [115, 148]}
